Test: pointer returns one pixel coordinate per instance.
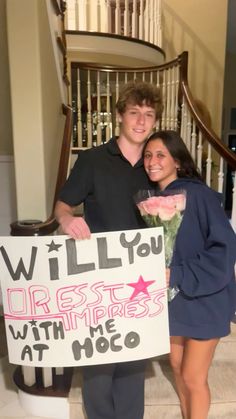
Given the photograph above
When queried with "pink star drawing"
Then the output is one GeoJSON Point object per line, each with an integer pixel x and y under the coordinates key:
{"type": "Point", "coordinates": [140, 286]}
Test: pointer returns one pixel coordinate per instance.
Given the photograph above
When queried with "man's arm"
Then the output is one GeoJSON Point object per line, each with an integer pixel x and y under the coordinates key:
{"type": "Point", "coordinates": [75, 227]}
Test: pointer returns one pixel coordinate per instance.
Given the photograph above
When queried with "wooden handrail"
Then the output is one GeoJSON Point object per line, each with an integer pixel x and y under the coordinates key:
{"type": "Point", "coordinates": [209, 134]}
{"type": "Point", "coordinates": [38, 228]}
{"type": "Point", "coordinates": [57, 7]}
{"type": "Point", "coordinates": [65, 151]}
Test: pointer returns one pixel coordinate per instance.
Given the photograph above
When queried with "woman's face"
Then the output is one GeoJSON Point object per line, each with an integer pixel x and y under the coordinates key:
{"type": "Point", "coordinates": [159, 164]}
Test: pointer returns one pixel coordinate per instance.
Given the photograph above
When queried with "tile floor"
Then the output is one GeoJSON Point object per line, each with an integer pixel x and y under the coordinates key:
{"type": "Point", "coordinates": [9, 403]}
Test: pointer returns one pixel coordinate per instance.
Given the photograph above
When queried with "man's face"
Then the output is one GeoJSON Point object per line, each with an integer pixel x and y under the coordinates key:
{"type": "Point", "coordinates": [137, 123]}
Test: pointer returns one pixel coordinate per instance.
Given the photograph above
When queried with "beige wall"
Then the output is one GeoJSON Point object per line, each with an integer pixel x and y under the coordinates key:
{"type": "Point", "coordinates": [6, 147]}
{"type": "Point", "coordinates": [199, 26]}
{"type": "Point", "coordinates": [51, 101]}
{"type": "Point", "coordinates": [229, 93]}
{"type": "Point", "coordinates": [23, 38]}
{"type": "Point", "coordinates": [36, 107]}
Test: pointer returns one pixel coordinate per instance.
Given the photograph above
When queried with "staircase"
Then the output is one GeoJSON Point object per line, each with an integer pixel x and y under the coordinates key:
{"type": "Point", "coordinates": [161, 401]}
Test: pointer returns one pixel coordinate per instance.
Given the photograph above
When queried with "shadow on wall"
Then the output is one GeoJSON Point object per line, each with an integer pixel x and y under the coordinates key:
{"type": "Point", "coordinates": [206, 72]}
{"type": "Point", "coordinates": [183, 30]}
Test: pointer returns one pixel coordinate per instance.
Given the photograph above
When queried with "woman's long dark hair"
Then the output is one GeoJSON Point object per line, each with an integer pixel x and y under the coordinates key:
{"type": "Point", "coordinates": [178, 150]}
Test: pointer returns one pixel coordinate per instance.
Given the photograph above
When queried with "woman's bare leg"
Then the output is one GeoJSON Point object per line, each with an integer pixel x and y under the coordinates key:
{"type": "Point", "coordinates": [176, 359]}
{"type": "Point", "coordinates": [196, 362]}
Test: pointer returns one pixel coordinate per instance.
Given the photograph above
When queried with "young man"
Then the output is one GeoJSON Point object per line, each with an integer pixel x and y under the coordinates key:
{"type": "Point", "coordinates": [105, 179]}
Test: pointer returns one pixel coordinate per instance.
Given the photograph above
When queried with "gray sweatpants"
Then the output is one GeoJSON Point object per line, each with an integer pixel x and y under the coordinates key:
{"type": "Point", "coordinates": [114, 391]}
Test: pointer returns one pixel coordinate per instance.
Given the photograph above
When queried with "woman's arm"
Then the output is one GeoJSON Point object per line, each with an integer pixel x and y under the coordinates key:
{"type": "Point", "coordinates": [213, 267]}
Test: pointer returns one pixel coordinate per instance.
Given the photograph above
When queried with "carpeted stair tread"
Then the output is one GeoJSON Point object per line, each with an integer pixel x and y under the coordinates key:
{"type": "Point", "coordinates": [217, 411]}
{"type": "Point", "coordinates": [159, 389]}
{"type": "Point", "coordinates": [226, 349]}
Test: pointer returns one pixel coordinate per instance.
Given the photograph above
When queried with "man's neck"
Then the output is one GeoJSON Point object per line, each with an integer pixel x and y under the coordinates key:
{"type": "Point", "coordinates": [131, 151]}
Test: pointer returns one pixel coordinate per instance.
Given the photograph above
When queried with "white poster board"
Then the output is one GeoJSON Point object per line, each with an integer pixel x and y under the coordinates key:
{"type": "Point", "coordinates": [71, 303]}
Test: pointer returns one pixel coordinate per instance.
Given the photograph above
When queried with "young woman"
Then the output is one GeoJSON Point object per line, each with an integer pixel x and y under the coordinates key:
{"type": "Point", "coordinates": [202, 268]}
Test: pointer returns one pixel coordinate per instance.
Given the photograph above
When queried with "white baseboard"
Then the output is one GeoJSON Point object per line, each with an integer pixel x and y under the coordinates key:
{"type": "Point", "coordinates": [45, 407]}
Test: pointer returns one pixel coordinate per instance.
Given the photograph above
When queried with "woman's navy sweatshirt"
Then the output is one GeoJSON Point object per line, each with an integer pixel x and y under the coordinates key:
{"type": "Point", "coordinates": [202, 266]}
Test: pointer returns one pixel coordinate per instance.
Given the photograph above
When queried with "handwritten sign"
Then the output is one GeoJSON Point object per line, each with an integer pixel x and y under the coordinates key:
{"type": "Point", "coordinates": [70, 303]}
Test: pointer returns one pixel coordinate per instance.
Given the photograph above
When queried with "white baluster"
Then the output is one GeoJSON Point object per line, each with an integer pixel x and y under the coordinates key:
{"type": "Point", "coordinates": [172, 100]}
{"type": "Point", "coordinates": [168, 99]}
{"type": "Point", "coordinates": [135, 20]}
{"type": "Point", "coordinates": [176, 97]}
{"type": "Point", "coordinates": [70, 15]}
{"type": "Point", "coordinates": [158, 122]}
{"type": "Point", "coordinates": [117, 18]}
{"type": "Point", "coordinates": [233, 215]}
{"type": "Point", "coordinates": [89, 113]}
{"type": "Point", "coordinates": [221, 176]}
{"type": "Point", "coordinates": [164, 88]}
{"type": "Point", "coordinates": [183, 131]}
{"type": "Point", "coordinates": [188, 130]}
{"type": "Point", "coordinates": [199, 152]}
{"type": "Point", "coordinates": [98, 122]}
{"type": "Point", "coordinates": [126, 19]}
{"type": "Point", "coordinates": [151, 19]}
{"type": "Point", "coordinates": [99, 14]}
{"type": "Point", "coordinates": [77, 13]}
{"type": "Point", "coordinates": [155, 23]}
{"type": "Point", "coordinates": [83, 15]}
{"type": "Point", "coordinates": [141, 20]}
{"type": "Point", "coordinates": [117, 127]}
{"type": "Point", "coordinates": [109, 17]}
{"type": "Point", "coordinates": [29, 375]}
{"type": "Point", "coordinates": [93, 11]}
{"type": "Point", "coordinates": [47, 377]}
{"type": "Point", "coordinates": [158, 78]}
{"type": "Point", "coordinates": [158, 41]}
{"type": "Point", "coordinates": [208, 166]}
{"type": "Point", "coordinates": [88, 17]}
{"type": "Point", "coordinates": [193, 141]}
{"type": "Point", "coordinates": [79, 115]}
{"type": "Point", "coordinates": [146, 21]}
{"type": "Point", "coordinates": [103, 16]}
{"type": "Point", "coordinates": [108, 127]}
